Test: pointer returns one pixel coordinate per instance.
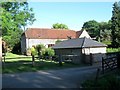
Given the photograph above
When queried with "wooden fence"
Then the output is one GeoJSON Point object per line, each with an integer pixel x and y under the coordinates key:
{"type": "Point", "coordinates": [111, 62]}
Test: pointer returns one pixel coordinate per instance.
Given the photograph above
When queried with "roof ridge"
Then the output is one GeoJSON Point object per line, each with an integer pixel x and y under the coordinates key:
{"type": "Point", "coordinates": [49, 29]}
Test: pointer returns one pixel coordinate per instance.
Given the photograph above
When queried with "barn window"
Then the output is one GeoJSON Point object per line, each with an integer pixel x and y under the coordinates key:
{"type": "Point", "coordinates": [50, 45]}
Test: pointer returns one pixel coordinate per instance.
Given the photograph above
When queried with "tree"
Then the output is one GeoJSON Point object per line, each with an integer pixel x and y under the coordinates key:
{"type": "Point", "coordinates": [39, 49]}
{"type": "Point", "coordinates": [59, 26]}
{"type": "Point", "coordinates": [116, 25]}
{"type": "Point", "coordinates": [15, 16]}
{"type": "Point", "coordinates": [92, 27]}
{"type": "Point", "coordinates": [105, 31]}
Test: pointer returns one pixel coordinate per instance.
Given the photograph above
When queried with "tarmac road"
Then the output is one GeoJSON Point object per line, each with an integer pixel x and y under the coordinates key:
{"type": "Point", "coordinates": [64, 78]}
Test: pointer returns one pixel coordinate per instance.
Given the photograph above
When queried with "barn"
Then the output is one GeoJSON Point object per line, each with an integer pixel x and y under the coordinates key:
{"type": "Point", "coordinates": [80, 50]}
{"type": "Point", "coordinates": [47, 37]}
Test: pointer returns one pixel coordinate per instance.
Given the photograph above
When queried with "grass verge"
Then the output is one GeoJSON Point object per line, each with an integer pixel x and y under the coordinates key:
{"type": "Point", "coordinates": [26, 66]}
{"type": "Point", "coordinates": [109, 81]}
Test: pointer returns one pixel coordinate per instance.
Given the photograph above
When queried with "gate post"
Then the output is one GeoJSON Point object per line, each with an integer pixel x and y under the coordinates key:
{"type": "Point", "coordinates": [102, 65]}
{"type": "Point", "coordinates": [118, 60]}
{"type": "Point", "coordinates": [91, 59]}
{"type": "Point", "coordinates": [60, 60]}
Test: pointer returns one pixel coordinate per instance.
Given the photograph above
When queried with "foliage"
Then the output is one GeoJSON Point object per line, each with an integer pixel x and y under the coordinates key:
{"type": "Point", "coordinates": [39, 49]}
{"type": "Point", "coordinates": [106, 83]}
{"type": "Point", "coordinates": [17, 48]}
{"type": "Point", "coordinates": [59, 26]}
{"type": "Point", "coordinates": [33, 51]}
{"type": "Point", "coordinates": [113, 50]}
{"type": "Point", "coordinates": [92, 27]}
{"type": "Point", "coordinates": [105, 31]}
{"type": "Point", "coordinates": [49, 52]}
{"type": "Point", "coordinates": [116, 25]}
{"type": "Point", "coordinates": [15, 16]}
{"type": "Point", "coordinates": [58, 41]}
{"type": "Point", "coordinates": [99, 30]}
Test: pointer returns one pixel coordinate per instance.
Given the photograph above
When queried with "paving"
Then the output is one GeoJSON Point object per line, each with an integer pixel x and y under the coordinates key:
{"type": "Point", "coordinates": [64, 78]}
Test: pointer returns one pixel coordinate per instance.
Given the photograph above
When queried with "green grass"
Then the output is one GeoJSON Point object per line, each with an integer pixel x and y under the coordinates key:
{"type": "Point", "coordinates": [11, 55]}
{"type": "Point", "coordinates": [26, 66]}
{"type": "Point", "coordinates": [19, 63]}
{"type": "Point", "coordinates": [113, 50]}
{"type": "Point", "coordinates": [107, 82]}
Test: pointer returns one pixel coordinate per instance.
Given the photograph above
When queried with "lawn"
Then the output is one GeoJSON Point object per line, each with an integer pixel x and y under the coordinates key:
{"type": "Point", "coordinates": [24, 64]}
{"type": "Point", "coordinates": [109, 81]}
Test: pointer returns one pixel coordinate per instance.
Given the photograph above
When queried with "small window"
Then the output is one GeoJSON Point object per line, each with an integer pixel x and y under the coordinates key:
{"type": "Point", "coordinates": [50, 45]}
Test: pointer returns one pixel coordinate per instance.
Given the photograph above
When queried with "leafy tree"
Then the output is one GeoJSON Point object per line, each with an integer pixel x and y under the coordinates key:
{"type": "Point", "coordinates": [15, 16]}
{"type": "Point", "coordinates": [105, 31]}
{"type": "Point", "coordinates": [116, 25]}
{"type": "Point", "coordinates": [59, 26]}
{"type": "Point", "coordinates": [39, 49]}
{"type": "Point", "coordinates": [92, 27]}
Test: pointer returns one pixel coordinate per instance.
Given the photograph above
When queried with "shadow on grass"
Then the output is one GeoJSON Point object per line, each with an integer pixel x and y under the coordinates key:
{"type": "Point", "coordinates": [26, 66]}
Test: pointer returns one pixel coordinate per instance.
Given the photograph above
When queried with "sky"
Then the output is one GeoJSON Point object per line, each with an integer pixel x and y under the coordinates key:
{"type": "Point", "coordinates": [73, 14]}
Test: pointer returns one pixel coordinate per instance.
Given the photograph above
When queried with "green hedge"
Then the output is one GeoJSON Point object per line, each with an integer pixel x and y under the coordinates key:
{"type": "Point", "coordinates": [113, 50]}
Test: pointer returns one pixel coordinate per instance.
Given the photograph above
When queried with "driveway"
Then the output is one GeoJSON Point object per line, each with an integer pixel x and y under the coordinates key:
{"type": "Point", "coordinates": [65, 78]}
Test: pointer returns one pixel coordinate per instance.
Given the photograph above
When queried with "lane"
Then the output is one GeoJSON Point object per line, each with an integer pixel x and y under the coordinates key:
{"type": "Point", "coordinates": [65, 78]}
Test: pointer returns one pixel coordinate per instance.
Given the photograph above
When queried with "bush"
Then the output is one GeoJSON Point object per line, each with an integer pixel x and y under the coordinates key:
{"type": "Point", "coordinates": [48, 52]}
{"type": "Point", "coordinates": [33, 51]}
{"type": "Point", "coordinates": [17, 48]}
{"type": "Point", "coordinates": [108, 83]}
{"type": "Point", "coordinates": [39, 47]}
{"type": "Point", "coordinates": [113, 50]}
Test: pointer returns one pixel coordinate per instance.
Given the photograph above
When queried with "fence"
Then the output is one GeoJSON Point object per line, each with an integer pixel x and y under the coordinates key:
{"type": "Point", "coordinates": [71, 58]}
{"type": "Point", "coordinates": [111, 62]}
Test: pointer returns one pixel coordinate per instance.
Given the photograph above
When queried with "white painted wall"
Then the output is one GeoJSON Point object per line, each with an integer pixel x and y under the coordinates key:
{"type": "Point", "coordinates": [45, 42]}
{"type": "Point", "coordinates": [85, 34]}
{"type": "Point", "coordinates": [96, 50]}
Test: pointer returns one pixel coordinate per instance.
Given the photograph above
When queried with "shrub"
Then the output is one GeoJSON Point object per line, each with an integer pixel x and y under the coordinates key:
{"type": "Point", "coordinates": [48, 52]}
{"type": "Point", "coordinates": [113, 50]}
{"type": "Point", "coordinates": [39, 49]}
{"type": "Point", "coordinates": [33, 51]}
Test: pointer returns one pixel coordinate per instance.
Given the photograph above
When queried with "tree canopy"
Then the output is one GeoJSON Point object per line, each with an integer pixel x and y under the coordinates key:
{"type": "Point", "coordinates": [15, 16]}
{"type": "Point", "coordinates": [116, 25]}
{"type": "Point", "coordinates": [92, 27]}
{"type": "Point", "coordinates": [99, 30]}
{"type": "Point", "coordinates": [59, 26]}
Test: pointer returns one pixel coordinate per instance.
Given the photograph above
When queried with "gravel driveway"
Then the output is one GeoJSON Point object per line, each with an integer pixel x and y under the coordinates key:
{"type": "Point", "coordinates": [64, 78]}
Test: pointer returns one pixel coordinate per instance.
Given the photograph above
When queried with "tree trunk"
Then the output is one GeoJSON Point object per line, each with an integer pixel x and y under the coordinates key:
{"type": "Point", "coordinates": [33, 60]}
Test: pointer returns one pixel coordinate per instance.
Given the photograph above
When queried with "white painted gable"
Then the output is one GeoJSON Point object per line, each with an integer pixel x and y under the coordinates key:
{"type": "Point", "coordinates": [84, 34]}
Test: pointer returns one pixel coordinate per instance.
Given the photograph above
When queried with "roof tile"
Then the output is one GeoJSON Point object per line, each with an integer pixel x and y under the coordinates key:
{"type": "Point", "coordinates": [44, 33]}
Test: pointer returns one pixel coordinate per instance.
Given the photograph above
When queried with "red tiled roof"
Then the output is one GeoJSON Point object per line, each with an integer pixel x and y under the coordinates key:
{"type": "Point", "coordinates": [43, 33]}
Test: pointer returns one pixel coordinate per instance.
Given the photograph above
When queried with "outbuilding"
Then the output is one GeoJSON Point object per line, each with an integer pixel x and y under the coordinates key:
{"type": "Point", "coordinates": [80, 50]}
